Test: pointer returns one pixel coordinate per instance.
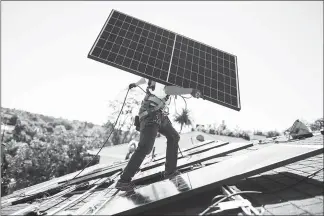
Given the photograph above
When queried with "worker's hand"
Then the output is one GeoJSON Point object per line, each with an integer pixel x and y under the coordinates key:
{"type": "Point", "coordinates": [132, 85]}
{"type": "Point", "coordinates": [196, 93]}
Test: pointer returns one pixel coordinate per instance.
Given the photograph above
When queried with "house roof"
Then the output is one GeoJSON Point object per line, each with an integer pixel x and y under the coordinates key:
{"type": "Point", "coordinates": [118, 152]}
{"type": "Point", "coordinates": [285, 189]}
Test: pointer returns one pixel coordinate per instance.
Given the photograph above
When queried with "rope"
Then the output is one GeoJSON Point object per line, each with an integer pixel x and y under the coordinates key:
{"type": "Point", "coordinates": [105, 141]}
{"type": "Point", "coordinates": [93, 157]}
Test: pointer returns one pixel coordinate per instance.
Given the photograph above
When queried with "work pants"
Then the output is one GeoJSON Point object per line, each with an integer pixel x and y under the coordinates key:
{"type": "Point", "coordinates": [150, 125]}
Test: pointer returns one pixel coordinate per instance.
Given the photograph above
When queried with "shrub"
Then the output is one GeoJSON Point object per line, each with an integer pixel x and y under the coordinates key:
{"type": "Point", "coordinates": [246, 136]}
{"type": "Point", "coordinates": [90, 125]}
{"type": "Point", "coordinates": [50, 129]}
{"type": "Point", "coordinates": [258, 133]}
{"type": "Point", "coordinates": [67, 126]}
{"type": "Point", "coordinates": [231, 134]}
{"type": "Point", "coordinates": [272, 134]}
{"type": "Point", "coordinates": [13, 120]}
{"type": "Point", "coordinates": [212, 131]}
{"type": "Point", "coordinates": [33, 155]}
{"type": "Point", "coordinates": [317, 125]}
{"type": "Point", "coordinates": [34, 118]}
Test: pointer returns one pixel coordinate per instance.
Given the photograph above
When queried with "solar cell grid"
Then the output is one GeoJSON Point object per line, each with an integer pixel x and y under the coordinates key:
{"type": "Point", "coordinates": [168, 58]}
{"type": "Point", "coordinates": [136, 45]}
{"type": "Point", "coordinates": [195, 65]}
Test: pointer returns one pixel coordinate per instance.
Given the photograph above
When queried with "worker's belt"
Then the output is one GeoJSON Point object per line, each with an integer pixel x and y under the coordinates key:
{"type": "Point", "coordinates": [154, 101]}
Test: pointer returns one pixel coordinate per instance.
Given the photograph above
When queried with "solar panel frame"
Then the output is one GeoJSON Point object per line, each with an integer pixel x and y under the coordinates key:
{"type": "Point", "coordinates": [155, 169]}
{"type": "Point", "coordinates": [235, 102]}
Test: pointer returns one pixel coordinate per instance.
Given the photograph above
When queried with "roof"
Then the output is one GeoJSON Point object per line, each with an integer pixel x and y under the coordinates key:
{"type": "Point", "coordinates": [305, 198]}
{"type": "Point", "coordinates": [286, 191]}
{"type": "Point", "coordinates": [118, 152]}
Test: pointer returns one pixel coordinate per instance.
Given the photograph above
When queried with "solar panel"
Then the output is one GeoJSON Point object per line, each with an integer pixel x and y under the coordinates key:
{"type": "Point", "coordinates": [183, 150]}
{"type": "Point", "coordinates": [97, 174]}
{"type": "Point", "coordinates": [194, 159]}
{"type": "Point", "coordinates": [168, 58]}
{"type": "Point", "coordinates": [228, 172]}
{"type": "Point", "coordinates": [185, 154]}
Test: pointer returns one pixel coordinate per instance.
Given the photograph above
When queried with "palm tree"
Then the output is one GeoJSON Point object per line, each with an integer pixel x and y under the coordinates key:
{"type": "Point", "coordinates": [183, 118]}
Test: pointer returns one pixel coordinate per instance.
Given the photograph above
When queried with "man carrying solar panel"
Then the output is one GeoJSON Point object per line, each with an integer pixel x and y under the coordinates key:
{"type": "Point", "coordinates": [152, 119]}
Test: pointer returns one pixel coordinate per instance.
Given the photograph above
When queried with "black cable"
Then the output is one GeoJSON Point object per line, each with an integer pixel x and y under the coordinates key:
{"type": "Point", "coordinates": [175, 106]}
{"type": "Point", "coordinates": [43, 211]}
{"type": "Point", "coordinates": [184, 99]}
{"type": "Point", "coordinates": [142, 89]}
{"type": "Point", "coordinates": [93, 157]}
{"type": "Point", "coordinates": [105, 141]}
{"type": "Point", "coordinates": [180, 150]}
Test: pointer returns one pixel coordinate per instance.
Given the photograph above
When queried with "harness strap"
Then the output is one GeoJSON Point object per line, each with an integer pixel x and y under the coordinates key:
{"type": "Point", "coordinates": [152, 98]}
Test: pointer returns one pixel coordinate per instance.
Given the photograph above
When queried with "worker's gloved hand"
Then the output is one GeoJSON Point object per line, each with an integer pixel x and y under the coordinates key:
{"type": "Point", "coordinates": [132, 85]}
{"type": "Point", "coordinates": [196, 93]}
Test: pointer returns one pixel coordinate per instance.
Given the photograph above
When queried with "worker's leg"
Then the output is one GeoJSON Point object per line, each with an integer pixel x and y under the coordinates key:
{"type": "Point", "coordinates": [148, 132]}
{"type": "Point", "coordinates": [173, 138]}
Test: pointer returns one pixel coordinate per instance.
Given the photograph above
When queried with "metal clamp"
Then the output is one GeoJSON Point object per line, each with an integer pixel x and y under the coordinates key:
{"type": "Point", "coordinates": [236, 201]}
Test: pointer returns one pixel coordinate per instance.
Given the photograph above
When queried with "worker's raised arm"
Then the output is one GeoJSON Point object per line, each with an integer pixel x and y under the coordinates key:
{"type": "Point", "coordinates": [175, 90]}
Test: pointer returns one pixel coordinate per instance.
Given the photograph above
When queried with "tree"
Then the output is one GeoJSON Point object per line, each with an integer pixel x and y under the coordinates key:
{"type": "Point", "coordinates": [124, 129]}
{"type": "Point", "coordinates": [13, 120]}
{"type": "Point", "coordinates": [33, 154]}
{"type": "Point", "coordinates": [317, 125]}
{"type": "Point", "coordinates": [272, 133]}
{"type": "Point", "coordinates": [183, 118]}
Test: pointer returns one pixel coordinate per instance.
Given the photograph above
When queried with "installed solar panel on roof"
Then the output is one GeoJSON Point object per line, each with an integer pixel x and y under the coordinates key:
{"type": "Point", "coordinates": [228, 172]}
{"type": "Point", "coordinates": [158, 54]}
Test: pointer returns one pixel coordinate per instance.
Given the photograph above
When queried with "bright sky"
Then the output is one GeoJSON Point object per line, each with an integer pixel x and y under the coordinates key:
{"type": "Point", "coordinates": [279, 45]}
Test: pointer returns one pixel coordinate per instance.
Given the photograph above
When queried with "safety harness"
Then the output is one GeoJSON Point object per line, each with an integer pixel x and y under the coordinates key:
{"type": "Point", "coordinates": [153, 100]}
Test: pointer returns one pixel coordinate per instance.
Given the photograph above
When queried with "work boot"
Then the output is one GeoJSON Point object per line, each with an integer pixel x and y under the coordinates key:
{"type": "Point", "coordinates": [125, 186]}
{"type": "Point", "coordinates": [172, 175]}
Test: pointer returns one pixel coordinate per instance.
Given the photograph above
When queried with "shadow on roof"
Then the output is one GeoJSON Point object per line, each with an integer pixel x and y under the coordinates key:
{"type": "Point", "coordinates": [281, 187]}
{"type": "Point", "coordinates": [274, 187]}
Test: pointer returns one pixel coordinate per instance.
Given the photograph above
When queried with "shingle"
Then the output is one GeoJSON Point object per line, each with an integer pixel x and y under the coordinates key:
{"type": "Point", "coordinates": [276, 205]}
{"type": "Point", "coordinates": [291, 194]}
{"type": "Point", "coordinates": [313, 208]}
{"type": "Point", "coordinates": [306, 202]}
{"type": "Point", "coordinates": [266, 212]}
{"type": "Point", "coordinates": [285, 210]}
